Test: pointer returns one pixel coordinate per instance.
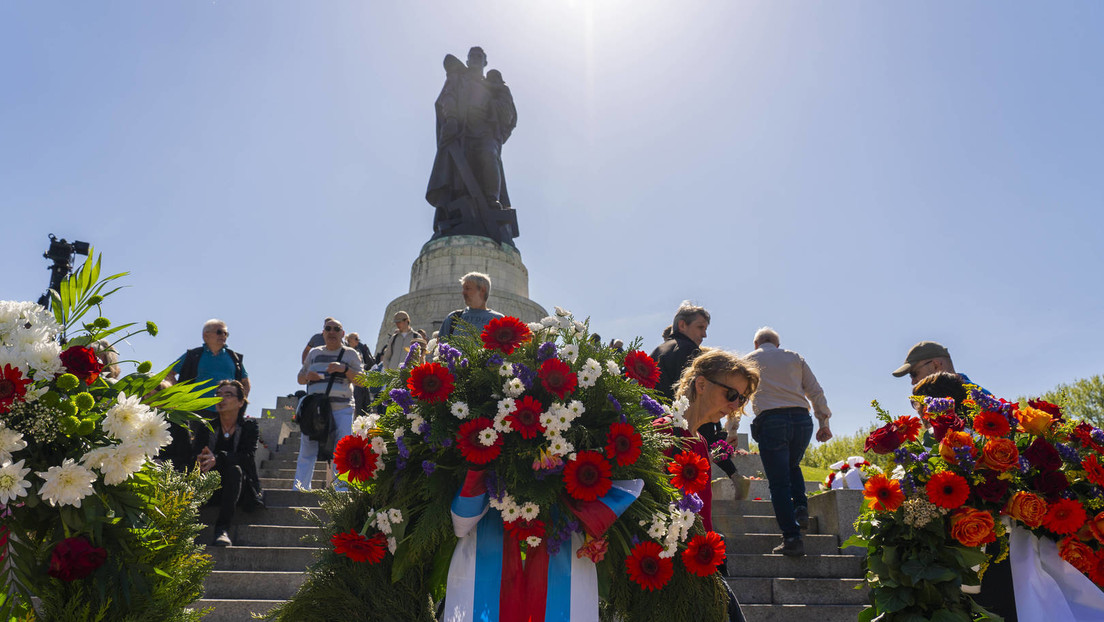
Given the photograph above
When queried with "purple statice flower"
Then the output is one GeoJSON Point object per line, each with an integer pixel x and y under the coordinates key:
{"type": "Point", "coordinates": [901, 455]}
{"type": "Point", "coordinates": [494, 486]}
{"type": "Point", "coordinates": [404, 452]}
{"type": "Point", "coordinates": [909, 483]}
{"type": "Point", "coordinates": [1025, 466]}
{"type": "Point", "coordinates": [447, 442]}
{"type": "Point", "coordinates": [447, 352]}
{"type": "Point", "coordinates": [1068, 453]}
{"type": "Point", "coordinates": [984, 400]}
{"type": "Point", "coordinates": [964, 457]}
{"type": "Point", "coordinates": [400, 464]}
{"type": "Point", "coordinates": [1097, 435]}
{"type": "Point", "coordinates": [635, 541]}
{"type": "Point", "coordinates": [494, 360]}
{"type": "Point", "coordinates": [464, 362]}
{"type": "Point", "coordinates": [651, 406]}
{"type": "Point", "coordinates": [428, 467]}
{"type": "Point", "coordinates": [691, 502]}
{"type": "Point", "coordinates": [540, 474]}
{"type": "Point", "coordinates": [936, 405]}
{"type": "Point", "coordinates": [525, 375]}
{"type": "Point", "coordinates": [1068, 494]}
{"type": "Point", "coordinates": [414, 349]}
{"type": "Point", "coordinates": [546, 351]}
{"type": "Point", "coordinates": [616, 406]}
{"type": "Point", "coordinates": [403, 398]}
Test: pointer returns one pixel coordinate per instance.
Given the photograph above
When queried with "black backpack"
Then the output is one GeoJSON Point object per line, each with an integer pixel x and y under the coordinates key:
{"type": "Point", "coordinates": [315, 414]}
{"type": "Point", "coordinates": [189, 368]}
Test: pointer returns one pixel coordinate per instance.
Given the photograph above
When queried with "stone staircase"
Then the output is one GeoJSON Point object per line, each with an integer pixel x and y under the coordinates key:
{"type": "Point", "coordinates": [265, 565]}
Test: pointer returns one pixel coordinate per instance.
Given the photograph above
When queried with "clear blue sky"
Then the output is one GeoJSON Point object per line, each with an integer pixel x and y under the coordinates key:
{"type": "Point", "coordinates": [858, 175]}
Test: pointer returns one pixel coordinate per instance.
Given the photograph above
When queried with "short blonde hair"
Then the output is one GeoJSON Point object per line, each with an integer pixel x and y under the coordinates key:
{"type": "Point", "coordinates": [482, 281]}
{"type": "Point", "coordinates": [713, 363]}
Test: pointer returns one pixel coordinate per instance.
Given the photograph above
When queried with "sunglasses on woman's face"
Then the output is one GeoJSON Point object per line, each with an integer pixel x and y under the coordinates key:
{"type": "Point", "coordinates": [226, 394]}
{"type": "Point", "coordinates": [332, 328]}
{"type": "Point", "coordinates": [731, 395]}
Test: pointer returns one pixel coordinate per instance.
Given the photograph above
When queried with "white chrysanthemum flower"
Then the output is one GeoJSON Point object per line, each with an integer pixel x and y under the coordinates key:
{"type": "Point", "coordinates": [613, 368]}
{"type": "Point", "coordinates": [561, 312]}
{"type": "Point", "coordinates": [576, 408]}
{"type": "Point", "coordinates": [487, 437]}
{"type": "Point", "coordinates": [399, 433]}
{"type": "Point", "coordinates": [364, 424]}
{"type": "Point", "coordinates": [514, 387]}
{"type": "Point", "coordinates": [416, 421]}
{"type": "Point", "coordinates": [566, 325]}
{"type": "Point", "coordinates": [533, 541]}
{"type": "Point", "coordinates": [535, 326]}
{"type": "Point", "coordinates": [670, 551]}
{"type": "Point", "coordinates": [460, 410]}
{"type": "Point", "coordinates": [44, 358]}
{"type": "Point", "coordinates": [549, 322]}
{"type": "Point", "coordinates": [151, 432]}
{"type": "Point", "coordinates": [124, 416]}
{"type": "Point", "coordinates": [506, 406]}
{"type": "Point", "coordinates": [586, 379]}
{"type": "Point", "coordinates": [395, 516]}
{"type": "Point", "coordinates": [530, 511]}
{"type": "Point", "coordinates": [379, 446]}
{"type": "Point", "coordinates": [511, 513]}
{"type": "Point", "coordinates": [94, 459]}
{"type": "Point", "coordinates": [560, 447]}
{"type": "Point", "coordinates": [572, 456]}
{"type": "Point", "coordinates": [569, 353]}
{"type": "Point", "coordinates": [33, 393]}
{"type": "Point", "coordinates": [592, 366]}
{"type": "Point", "coordinates": [120, 462]}
{"type": "Point", "coordinates": [679, 406]}
{"type": "Point", "coordinates": [13, 481]}
{"type": "Point", "coordinates": [547, 421]}
{"type": "Point", "coordinates": [10, 442]}
{"type": "Point", "coordinates": [392, 545]}
{"type": "Point", "coordinates": [500, 424]}
{"type": "Point", "coordinates": [657, 529]}
{"type": "Point", "coordinates": [66, 484]}
{"type": "Point", "coordinates": [16, 358]}
{"type": "Point", "coordinates": [506, 370]}
{"type": "Point", "coordinates": [383, 523]}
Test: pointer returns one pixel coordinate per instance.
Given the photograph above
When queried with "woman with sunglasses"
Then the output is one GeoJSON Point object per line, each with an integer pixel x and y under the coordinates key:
{"type": "Point", "coordinates": [229, 449]}
{"type": "Point", "coordinates": [716, 384]}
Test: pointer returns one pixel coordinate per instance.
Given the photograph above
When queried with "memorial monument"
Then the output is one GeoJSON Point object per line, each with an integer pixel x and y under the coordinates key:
{"type": "Point", "coordinates": [474, 225]}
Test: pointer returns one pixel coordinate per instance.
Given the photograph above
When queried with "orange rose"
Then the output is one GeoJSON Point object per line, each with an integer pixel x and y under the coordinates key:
{"type": "Point", "coordinates": [1034, 421]}
{"type": "Point", "coordinates": [1077, 553]}
{"type": "Point", "coordinates": [953, 439]}
{"type": "Point", "coordinates": [1027, 508]}
{"type": "Point", "coordinates": [1000, 454]}
{"type": "Point", "coordinates": [1096, 527]}
{"type": "Point", "coordinates": [972, 527]}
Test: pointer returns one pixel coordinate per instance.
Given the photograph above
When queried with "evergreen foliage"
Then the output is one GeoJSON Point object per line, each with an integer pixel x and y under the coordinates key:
{"type": "Point", "coordinates": [1081, 399]}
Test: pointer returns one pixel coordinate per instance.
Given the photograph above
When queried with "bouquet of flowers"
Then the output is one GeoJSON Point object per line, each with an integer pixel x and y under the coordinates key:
{"type": "Point", "coordinates": [850, 473]}
{"type": "Point", "coordinates": [91, 526]}
{"type": "Point", "coordinates": [965, 471]}
{"type": "Point", "coordinates": [550, 420]}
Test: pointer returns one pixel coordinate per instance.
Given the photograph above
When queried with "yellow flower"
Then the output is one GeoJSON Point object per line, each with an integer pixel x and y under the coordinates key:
{"type": "Point", "coordinates": [1034, 421]}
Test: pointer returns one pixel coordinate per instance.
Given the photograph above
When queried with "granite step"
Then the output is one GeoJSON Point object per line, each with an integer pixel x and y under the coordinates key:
{"type": "Point", "coordinates": [809, 566]}
{"type": "Point", "coordinates": [737, 524]}
{"type": "Point", "coordinates": [264, 535]}
{"type": "Point", "coordinates": [792, 591]}
{"type": "Point", "coordinates": [234, 610]}
{"type": "Point", "coordinates": [763, 543]}
{"type": "Point", "coordinates": [801, 613]}
{"type": "Point", "coordinates": [271, 558]}
{"type": "Point", "coordinates": [253, 585]}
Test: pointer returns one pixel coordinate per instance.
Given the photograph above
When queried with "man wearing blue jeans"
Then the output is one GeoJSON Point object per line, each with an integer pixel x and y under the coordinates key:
{"type": "Point", "coordinates": [341, 364]}
{"type": "Point", "coordinates": [783, 428]}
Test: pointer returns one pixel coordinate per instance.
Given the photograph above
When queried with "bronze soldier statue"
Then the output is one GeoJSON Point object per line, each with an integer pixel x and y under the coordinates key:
{"type": "Point", "coordinates": [467, 186]}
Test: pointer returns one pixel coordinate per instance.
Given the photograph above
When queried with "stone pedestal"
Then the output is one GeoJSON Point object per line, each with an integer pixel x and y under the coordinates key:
{"type": "Point", "coordinates": [435, 283]}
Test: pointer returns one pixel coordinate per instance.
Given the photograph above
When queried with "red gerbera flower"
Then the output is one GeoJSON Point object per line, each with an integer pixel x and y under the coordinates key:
{"type": "Point", "coordinates": [908, 427]}
{"type": "Point", "coordinates": [13, 386]}
{"type": "Point", "coordinates": [354, 456]}
{"type": "Point", "coordinates": [623, 443]}
{"type": "Point", "coordinates": [525, 419]}
{"type": "Point", "coordinates": [884, 493]}
{"type": "Point", "coordinates": [641, 368]}
{"type": "Point", "coordinates": [703, 553]}
{"type": "Point", "coordinates": [359, 548]}
{"type": "Point", "coordinates": [504, 334]}
{"type": "Point", "coordinates": [522, 529]}
{"type": "Point", "coordinates": [690, 471]}
{"type": "Point", "coordinates": [431, 382]}
{"type": "Point", "coordinates": [1064, 516]}
{"type": "Point", "coordinates": [991, 424]}
{"type": "Point", "coordinates": [1093, 470]}
{"type": "Point", "coordinates": [587, 477]}
{"type": "Point", "coordinates": [557, 378]}
{"type": "Point", "coordinates": [467, 439]}
{"type": "Point", "coordinates": [948, 490]}
{"type": "Point", "coordinates": [647, 568]}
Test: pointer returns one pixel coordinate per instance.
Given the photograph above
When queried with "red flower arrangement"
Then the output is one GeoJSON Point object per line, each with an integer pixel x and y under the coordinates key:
{"type": "Point", "coordinates": [704, 553]}
{"type": "Point", "coordinates": [75, 558]}
{"type": "Point", "coordinates": [587, 477]}
{"type": "Point", "coordinates": [467, 438]}
{"type": "Point", "coordinates": [13, 386]}
{"type": "Point", "coordinates": [1093, 470]}
{"type": "Point", "coordinates": [1065, 516]}
{"type": "Point", "coordinates": [972, 527]}
{"type": "Point", "coordinates": [991, 424]}
{"type": "Point", "coordinates": [354, 456]}
{"type": "Point", "coordinates": [525, 419]}
{"type": "Point", "coordinates": [883, 492]}
{"type": "Point", "coordinates": [521, 529]}
{"type": "Point", "coordinates": [504, 334]}
{"type": "Point", "coordinates": [557, 378]}
{"type": "Point", "coordinates": [884, 440]}
{"type": "Point", "coordinates": [1000, 454]}
{"type": "Point", "coordinates": [908, 427]}
{"type": "Point", "coordinates": [1077, 553]}
{"type": "Point", "coordinates": [359, 548]}
{"type": "Point", "coordinates": [623, 443]}
{"type": "Point", "coordinates": [948, 490]}
{"type": "Point", "coordinates": [431, 382]}
{"type": "Point", "coordinates": [647, 568]}
{"type": "Point", "coordinates": [82, 363]}
{"type": "Point", "coordinates": [641, 368]}
{"type": "Point", "coordinates": [690, 471]}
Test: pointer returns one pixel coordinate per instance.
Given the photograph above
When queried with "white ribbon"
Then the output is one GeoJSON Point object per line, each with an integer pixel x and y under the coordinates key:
{"type": "Point", "coordinates": [1047, 587]}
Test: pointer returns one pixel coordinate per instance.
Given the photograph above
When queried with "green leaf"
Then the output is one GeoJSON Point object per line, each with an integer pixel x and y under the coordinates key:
{"type": "Point", "coordinates": [921, 571]}
{"type": "Point", "coordinates": [894, 599]}
{"type": "Point", "coordinates": [945, 615]}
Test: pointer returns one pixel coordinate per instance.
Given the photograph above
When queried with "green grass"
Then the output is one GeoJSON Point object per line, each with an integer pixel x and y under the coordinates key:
{"type": "Point", "coordinates": [814, 474]}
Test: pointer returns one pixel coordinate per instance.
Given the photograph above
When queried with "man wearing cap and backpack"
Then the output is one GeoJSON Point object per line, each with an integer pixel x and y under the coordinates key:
{"type": "Point", "coordinates": [394, 353]}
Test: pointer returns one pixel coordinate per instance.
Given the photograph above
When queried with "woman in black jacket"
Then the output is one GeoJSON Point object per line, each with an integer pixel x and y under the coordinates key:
{"type": "Point", "coordinates": [230, 450]}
